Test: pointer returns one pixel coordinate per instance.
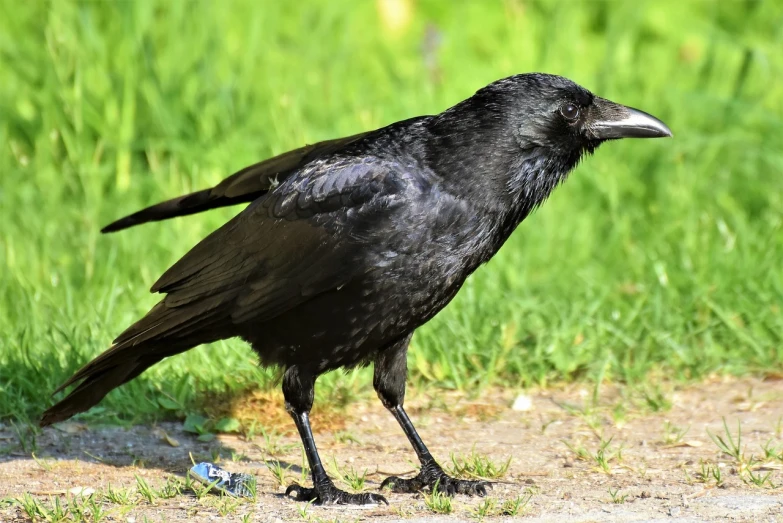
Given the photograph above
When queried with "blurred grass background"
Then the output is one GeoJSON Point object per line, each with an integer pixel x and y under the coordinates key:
{"type": "Point", "coordinates": [657, 258]}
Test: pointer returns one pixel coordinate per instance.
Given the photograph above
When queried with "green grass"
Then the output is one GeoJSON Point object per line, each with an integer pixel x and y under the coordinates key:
{"type": "Point", "coordinates": [112, 503]}
{"type": "Point", "coordinates": [657, 257]}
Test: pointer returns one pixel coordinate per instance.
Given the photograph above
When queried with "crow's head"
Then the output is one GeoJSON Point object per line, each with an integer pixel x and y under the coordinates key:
{"type": "Point", "coordinates": [520, 136]}
{"type": "Point", "coordinates": [555, 114]}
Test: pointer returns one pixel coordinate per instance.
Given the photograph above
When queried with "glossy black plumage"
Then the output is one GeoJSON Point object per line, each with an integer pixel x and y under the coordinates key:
{"type": "Point", "coordinates": [349, 245]}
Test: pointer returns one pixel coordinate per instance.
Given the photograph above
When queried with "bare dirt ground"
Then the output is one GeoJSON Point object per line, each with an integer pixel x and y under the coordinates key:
{"type": "Point", "coordinates": [621, 457]}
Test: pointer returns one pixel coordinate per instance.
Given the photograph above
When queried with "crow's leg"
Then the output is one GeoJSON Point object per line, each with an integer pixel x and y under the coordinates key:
{"type": "Point", "coordinates": [391, 370]}
{"type": "Point", "coordinates": [298, 390]}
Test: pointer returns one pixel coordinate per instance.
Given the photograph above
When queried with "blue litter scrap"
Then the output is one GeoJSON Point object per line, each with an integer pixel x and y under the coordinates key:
{"type": "Point", "coordinates": [238, 485]}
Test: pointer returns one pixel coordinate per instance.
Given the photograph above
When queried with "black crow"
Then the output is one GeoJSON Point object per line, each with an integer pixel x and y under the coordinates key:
{"type": "Point", "coordinates": [349, 245]}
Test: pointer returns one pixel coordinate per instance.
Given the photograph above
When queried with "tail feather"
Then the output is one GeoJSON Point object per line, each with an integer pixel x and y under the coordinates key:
{"type": "Point", "coordinates": [90, 392]}
{"type": "Point", "coordinates": [181, 206]}
{"type": "Point", "coordinates": [163, 332]}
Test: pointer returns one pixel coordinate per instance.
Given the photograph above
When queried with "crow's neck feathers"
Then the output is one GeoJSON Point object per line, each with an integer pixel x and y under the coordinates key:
{"type": "Point", "coordinates": [476, 150]}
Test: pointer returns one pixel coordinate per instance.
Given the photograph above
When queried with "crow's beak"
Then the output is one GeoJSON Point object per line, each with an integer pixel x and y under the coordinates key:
{"type": "Point", "coordinates": [613, 120]}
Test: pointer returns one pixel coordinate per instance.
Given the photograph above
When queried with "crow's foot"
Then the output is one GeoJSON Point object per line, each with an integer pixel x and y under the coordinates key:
{"type": "Point", "coordinates": [431, 477]}
{"type": "Point", "coordinates": [327, 494]}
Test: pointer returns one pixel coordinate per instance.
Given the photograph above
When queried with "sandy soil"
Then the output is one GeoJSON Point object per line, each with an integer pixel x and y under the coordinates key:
{"type": "Point", "coordinates": [657, 475]}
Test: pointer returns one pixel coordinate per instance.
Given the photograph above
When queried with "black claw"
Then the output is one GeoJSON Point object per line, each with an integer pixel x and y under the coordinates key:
{"type": "Point", "coordinates": [402, 486]}
{"type": "Point", "coordinates": [330, 495]}
{"type": "Point", "coordinates": [376, 498]}
{"type": "Point", "coordinates": [388, 482]}
{"type": "Point", "coordinates": [301, 493]}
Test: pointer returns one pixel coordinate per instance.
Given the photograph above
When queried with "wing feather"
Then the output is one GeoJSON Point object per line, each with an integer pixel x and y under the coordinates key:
{"type": "Point", "coordinates": [243, 186]}
{"type": "Point", "coordinates": [291, 244]}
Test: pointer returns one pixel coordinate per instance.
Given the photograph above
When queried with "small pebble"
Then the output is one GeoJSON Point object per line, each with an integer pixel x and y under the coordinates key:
{"type": "Point", "coordinates": [522, 403]}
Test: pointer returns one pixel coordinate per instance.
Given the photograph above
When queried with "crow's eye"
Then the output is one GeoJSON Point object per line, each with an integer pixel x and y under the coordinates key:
{"type": "Point", "coordinates": [569, 111]}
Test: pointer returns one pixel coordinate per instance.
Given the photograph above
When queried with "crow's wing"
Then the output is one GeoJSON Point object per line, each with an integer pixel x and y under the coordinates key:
{"type": "Point", "coordinates": [242, 187]}
{"type": "Point", "coordinates": [303, 238]}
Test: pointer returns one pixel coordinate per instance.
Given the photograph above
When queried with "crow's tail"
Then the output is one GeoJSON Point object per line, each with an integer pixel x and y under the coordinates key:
{"type": "Point", "coordinates": [93, 389]}
{"type": "Point", "coordinates": [163, 332]}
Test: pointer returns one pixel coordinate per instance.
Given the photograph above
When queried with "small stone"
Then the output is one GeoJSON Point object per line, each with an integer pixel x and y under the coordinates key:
{"type": "Point", "coordinates": [72, 427]}
{"type": "Point", "coordinates": [530, 481]}
{"type": "Point", "coordinates": [522, 403]}
{"type": "Point", "coordinates": [171, 441]}
{"type": "Point", "coordinates": [82, 491]}
{"type": "Point", "coordinates": [674, 511]}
